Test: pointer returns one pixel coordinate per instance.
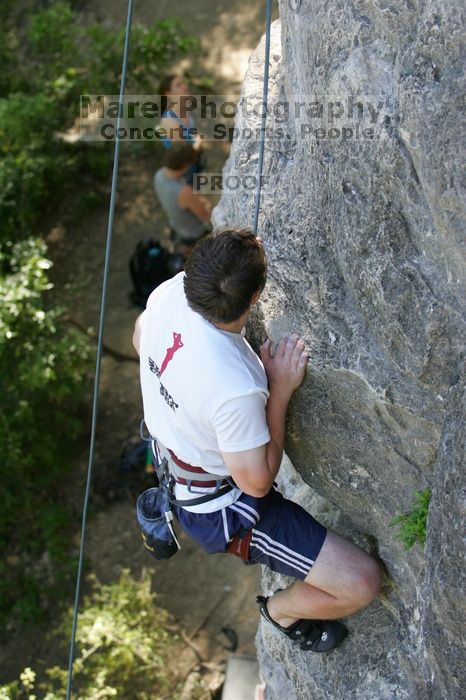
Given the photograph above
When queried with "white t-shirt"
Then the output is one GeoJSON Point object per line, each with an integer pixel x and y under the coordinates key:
{"type": "Point", "coordinates": [204, 390]}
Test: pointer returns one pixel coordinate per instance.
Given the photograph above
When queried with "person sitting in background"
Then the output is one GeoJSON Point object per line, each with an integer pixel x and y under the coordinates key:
{"type": "Point", "coordinates": [188, 213]}
{"type": "Point", "coordinates": [176, 127]}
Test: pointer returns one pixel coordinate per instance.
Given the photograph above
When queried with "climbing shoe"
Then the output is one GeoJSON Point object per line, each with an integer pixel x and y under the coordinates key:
{"type": "Point", "coordinates": [314, 635]}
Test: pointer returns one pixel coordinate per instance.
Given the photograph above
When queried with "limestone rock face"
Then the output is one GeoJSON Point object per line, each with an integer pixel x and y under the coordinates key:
{"type": "Point", "coordinates": [365, 242]}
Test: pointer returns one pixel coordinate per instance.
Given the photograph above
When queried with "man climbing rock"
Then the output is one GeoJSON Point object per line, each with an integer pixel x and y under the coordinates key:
{"type": "Point", "coordinates": [218, 415]}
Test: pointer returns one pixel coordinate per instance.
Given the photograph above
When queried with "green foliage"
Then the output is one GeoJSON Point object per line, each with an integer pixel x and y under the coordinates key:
{"type": "Point", "coordinates": [31, 161]}
{"type": "Point", "coordinates": [53, 35]}
{"type": "Point", "coordinates": [60, 60]}
{"type": "Point", "coordinates": [45, 68]}
{"type": "Point", "coordinates": [93, 54]}
{"type": "Point", "coordinates": [152, 50]}
{"type": "Point", "coordinates": [39, 396]}
{"type": "Point", "coordinates": [413, 524]}
{"type": "Point", "coordinates": [158, 47]}
{"type": "Point", "coordinates": [9, 81]}
{"type": "Point", "coordinates": [123, 647]}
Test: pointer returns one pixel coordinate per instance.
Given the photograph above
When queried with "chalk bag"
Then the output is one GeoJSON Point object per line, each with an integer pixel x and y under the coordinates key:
{"type": "Point", "coordinates": [154, 516]}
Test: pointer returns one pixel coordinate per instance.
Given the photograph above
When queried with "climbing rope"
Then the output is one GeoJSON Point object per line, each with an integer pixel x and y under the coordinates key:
{"type": "Point", "coordinates": [111, 215]}
{"type": "Point", "coordinates": [265, 96]}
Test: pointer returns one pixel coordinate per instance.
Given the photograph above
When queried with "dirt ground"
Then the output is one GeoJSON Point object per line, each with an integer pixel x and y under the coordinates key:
{"type": "Point", "coordinates": [203, 593]}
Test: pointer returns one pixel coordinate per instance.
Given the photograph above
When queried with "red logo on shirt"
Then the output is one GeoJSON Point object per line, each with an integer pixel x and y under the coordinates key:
{"type": "Point", "coordinates": [177, 344]}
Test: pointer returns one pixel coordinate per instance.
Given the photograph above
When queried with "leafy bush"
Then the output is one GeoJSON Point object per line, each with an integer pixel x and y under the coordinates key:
{"type": "Point", "coordinates": [413, 524]}
{"type": "Point", "coordinates": [44, 70]}
{"type": "Point", "coordinates": [152, 50]}
{"type": "Point", "coordinates": [60, 61]}
{"type": "Point", "coordinates": [32, 162]}
{"type": "Point", "coordinates": [9, 80]}
{"type": "Point", "coordinates": [53, 35]}
{"type": "Point", "coordinates": [123, 647]}
{"type": "Point", "coordinates": [39, 396]}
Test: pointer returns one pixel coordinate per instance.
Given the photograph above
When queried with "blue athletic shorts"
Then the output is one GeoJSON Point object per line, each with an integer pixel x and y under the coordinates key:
{"type": "Point", "coordinates": [285, 537]}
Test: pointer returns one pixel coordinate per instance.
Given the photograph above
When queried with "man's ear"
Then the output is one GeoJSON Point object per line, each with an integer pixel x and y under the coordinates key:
{"type": "Point", "coordinates": [255, 298]}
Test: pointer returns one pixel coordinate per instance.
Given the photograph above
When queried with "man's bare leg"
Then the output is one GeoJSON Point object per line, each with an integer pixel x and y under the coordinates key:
{"type": "Point", "coordinates": [343, 580]}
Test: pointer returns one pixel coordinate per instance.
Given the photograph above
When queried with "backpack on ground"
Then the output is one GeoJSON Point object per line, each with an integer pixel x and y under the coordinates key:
{"type": "Point", "coordinates": [134, 457]}
{"type": "Point", "coordinates": [150, 265]}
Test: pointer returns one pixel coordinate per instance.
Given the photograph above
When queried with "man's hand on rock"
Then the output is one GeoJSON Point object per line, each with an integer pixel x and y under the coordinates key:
{"type": "Point", "coordinates": [287, 367]}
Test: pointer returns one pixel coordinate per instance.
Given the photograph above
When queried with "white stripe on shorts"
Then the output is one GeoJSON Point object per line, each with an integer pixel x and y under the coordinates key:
{"type": "Point", "coordinates": [248, 507]}
{"type": "Point", "coordinates": [281, 546]}
{"type": "Point", "coordinates": [234, 506]}
{"type": "Point", "coordinates": [273, 555]}
{"type": "Point", "coordinates": [225, 526]}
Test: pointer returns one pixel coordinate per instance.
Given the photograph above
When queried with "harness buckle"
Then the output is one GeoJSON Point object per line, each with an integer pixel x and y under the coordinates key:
{"type": "Point", "coordinates": [144, 432]}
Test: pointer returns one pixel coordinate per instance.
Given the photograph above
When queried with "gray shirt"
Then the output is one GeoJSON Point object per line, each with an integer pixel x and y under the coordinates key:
{"type": "Point", "coordinates": [186, 225]}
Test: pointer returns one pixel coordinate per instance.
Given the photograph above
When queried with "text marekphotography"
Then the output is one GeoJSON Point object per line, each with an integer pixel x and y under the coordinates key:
{"type": "Point", "coordinates": [222, 118]}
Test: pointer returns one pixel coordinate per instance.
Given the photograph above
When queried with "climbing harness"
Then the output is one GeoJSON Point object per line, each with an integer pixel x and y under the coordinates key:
{"type": "Point", "coordinates": [222, 488]}
{"type": "Point", "coordinates": [153, 508]}
{"type": "Point", "coordinates": [171, 467]}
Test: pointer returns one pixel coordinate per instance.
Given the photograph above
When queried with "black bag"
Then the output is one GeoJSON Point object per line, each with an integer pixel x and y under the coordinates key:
{"type": "Point", "coordinates": [133, 456]}
{"type": "Point", "coordinates": [150, 265]}
{"type": "Point", "coordinates": [154, 516]}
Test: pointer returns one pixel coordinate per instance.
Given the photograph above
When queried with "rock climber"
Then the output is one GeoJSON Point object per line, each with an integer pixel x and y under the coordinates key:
{"type": "Point", "coordinates": [217, 412]}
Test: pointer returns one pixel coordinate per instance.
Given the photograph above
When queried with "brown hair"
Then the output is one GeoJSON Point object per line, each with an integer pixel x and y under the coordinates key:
{"type": "Point", "coordinates": [223, 273]}
{"type": "Point", "coordinates": [180, 155]}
